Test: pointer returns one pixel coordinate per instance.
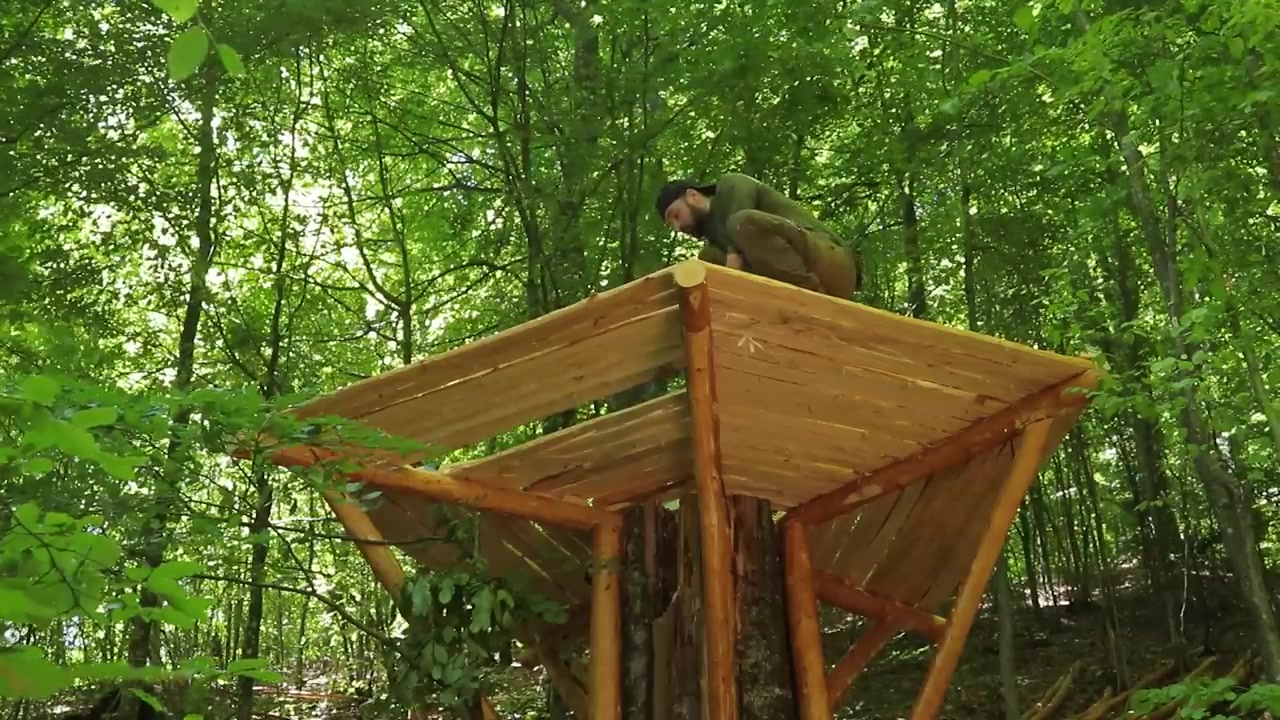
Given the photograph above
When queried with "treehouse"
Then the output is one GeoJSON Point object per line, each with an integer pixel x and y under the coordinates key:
{"type": "Point", "coordinates": [817, 451]}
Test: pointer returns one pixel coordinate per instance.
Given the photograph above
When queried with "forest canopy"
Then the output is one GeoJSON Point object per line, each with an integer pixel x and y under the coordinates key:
{"type": "Point", "coordinates": [211, 211]}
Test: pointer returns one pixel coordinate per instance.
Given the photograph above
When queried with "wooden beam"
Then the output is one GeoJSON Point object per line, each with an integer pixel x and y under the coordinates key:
{"type": "Point", "coordinates": [369, 541]}
{"type": "Point", "coordinates": [958, 448]}
{"type": "Point", "coordinates": [860, 655]}
{"type": "Point", "coordinates": [606, 623]}
{"type": "Point", "coordinates": [1023, 471]}
{"type": "Point", "coordinates": [802, 617]}
{"type": "Point", "coordinates": [442, 488]}
{"type": "Point", "coordinates": [720, 631]}
{"type": "Point", "coordinates": [834, 590]}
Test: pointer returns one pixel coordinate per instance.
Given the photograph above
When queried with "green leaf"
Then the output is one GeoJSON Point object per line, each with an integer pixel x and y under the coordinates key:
{"type": "Point", "coordinates": [175, 569]}
{"type": "Point", "coordinates": [77, 441]}
{"type": "Point", "coordinates": [41, 389]}
{"type": "Point", "coordinates": [20, 607]}
{"type": "Point", "coordinates": [26, 673]}
{"type": "Point", "coordinates": [439, 654]}
{"type": "Point", "coordinates": [247, 664]}
{"type": "Point", "coordinates": [446, 591]}
{"type": "Point", "coordinates": [121, 468]}
{"type": "Point", "coordinates": [230, 60]}
{"type": "Point", "coordinates": [179, 10]}
{"type": "Point", "coordinates": [37, 466]}
{"type": "Point", "coordinates": [1236, 45]}
{"type": "Point", "coordinates": [979, 78]}
{"type": "Point", "coordinates": [149, 699]}
{"type": "Point", "coordinates": [1025, 18]}
{"type": "Point", "coordinates": [95, 417]}
{"type": "Point", "coordinates": [187, 52]}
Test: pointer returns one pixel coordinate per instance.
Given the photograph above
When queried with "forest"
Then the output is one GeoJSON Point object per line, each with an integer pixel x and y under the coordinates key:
{"type": "Point", "coordinates": [211, 211]}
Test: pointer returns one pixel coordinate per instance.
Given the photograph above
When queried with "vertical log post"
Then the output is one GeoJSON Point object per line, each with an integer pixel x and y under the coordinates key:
{"type": "Point", "coordinates": [606, 622]}
{"type": "Point", "coordinates": [719, 691]}
{"type": "Point", "coordinates": [1023, 471]}
{"type": "Point", "coordinates": [802, 616]}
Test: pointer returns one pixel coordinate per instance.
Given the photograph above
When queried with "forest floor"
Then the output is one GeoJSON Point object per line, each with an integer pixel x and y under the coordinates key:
{"type": "Point", "coordinates": [1048, 643]}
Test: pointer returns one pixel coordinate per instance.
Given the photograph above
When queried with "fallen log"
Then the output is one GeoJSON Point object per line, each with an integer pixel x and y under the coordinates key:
{"type": "Point", "coordinates": [1054, 696]}
{"type": "Point", "coordinates": [1107, 702]}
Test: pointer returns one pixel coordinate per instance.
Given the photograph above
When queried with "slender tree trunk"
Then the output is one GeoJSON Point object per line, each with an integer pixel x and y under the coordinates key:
{"type": "Point", "coordinates": [1005, 616]}
{"type": "Point", "coordinates": [155, 539]}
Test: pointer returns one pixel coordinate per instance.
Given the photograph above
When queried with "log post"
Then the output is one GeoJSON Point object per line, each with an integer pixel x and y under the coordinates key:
{"type": "Point", "coordinates": [720, 689]}
{"type": "Point", "coordinates": [606, 623]}
{"type": "Point", "coordinates": [1022, 472]}
{"type": "Point", "coordinates": [802, 616]}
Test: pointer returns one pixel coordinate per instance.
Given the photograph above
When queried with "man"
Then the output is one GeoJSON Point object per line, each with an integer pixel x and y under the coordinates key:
{"type": "Point", "coordinates": [750, 226]}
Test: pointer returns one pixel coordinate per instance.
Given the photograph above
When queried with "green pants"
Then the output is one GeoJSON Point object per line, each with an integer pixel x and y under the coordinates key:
{"type": "Point", "coordinates": [777, 248]}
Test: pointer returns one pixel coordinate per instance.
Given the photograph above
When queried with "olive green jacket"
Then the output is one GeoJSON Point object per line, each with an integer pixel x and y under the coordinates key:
{"type": "Point", "coordinates": [736, 192]}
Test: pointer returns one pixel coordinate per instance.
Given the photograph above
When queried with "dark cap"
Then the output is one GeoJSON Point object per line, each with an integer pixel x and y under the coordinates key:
{"type": "Point", "coordinates": [673, 191]}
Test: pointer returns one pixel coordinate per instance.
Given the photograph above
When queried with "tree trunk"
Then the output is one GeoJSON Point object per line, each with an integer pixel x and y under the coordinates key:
{"type": "Point", "coordinates": [1008, 664]}
{"type": "Point", "coordinates": [765, 681]}
{"type": "Point", "coordinates": [155, 539]}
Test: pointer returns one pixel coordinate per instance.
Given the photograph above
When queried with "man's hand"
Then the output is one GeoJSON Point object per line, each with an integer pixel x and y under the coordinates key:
{"type": "Point", "coordinates": [733, 260]}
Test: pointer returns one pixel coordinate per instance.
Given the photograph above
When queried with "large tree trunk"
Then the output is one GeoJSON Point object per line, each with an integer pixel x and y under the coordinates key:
{"type": "Point", "coordinates": [663, 667]}
{"type": "Point", "coordinates": [765, 682]}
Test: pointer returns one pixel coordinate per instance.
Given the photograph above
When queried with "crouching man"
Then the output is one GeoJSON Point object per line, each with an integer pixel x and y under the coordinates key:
{"type": "Point", "coordinates": [748, 225]}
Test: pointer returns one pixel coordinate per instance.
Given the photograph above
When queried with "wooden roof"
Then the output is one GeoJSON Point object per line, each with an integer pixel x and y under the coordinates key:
{"type": "Point", "coordinates": [813, 392]}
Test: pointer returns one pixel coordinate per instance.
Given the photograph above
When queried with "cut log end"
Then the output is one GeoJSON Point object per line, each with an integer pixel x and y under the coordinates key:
{"type": "Point", "coordinates": [689, 273]}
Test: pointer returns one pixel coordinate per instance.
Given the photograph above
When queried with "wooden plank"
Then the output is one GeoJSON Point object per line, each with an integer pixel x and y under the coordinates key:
{"type": "Point", "coordinates": [758, 414]}
{"type": "Point", "coordinates": [870, 518]}
{"type": "Point", "coordinates": [785, 333]}
{"type": "Point", "coordinates": [965, 543]}
{"type": "Point", "coordinates": [916, 340]}
{"type": "Point", "coordinates": [922, 546]}
{"type": "Point", "coordinates": [741, 348]}
{"type": "Point", "coordinates": [655, 467]}
{"type": "Point", "coordinates": [958, 448]}
{"type": "Point", "coordinates": [507, 396]}
{"type": "Point", "coordinates": [557, 329]}
{"type": "Point", "coordinates": [835, 405]}
{"type": "Point", "coordinates": [585, 445]}
{"type": "Point", "coordinates": [859, 560]}
{"type": "Point", "coordinates": [950, 562]}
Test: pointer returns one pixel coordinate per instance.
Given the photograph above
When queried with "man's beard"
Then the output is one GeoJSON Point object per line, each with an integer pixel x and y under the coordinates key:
{"type": "Point", "coordinates": [701, 222]}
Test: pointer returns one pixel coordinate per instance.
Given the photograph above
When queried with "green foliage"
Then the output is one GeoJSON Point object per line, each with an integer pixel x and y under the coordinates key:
{"type": "Point", "coordinates": [1199, 696]}
{"type": "Point", "coordinates": [190, 47]}
{"type": "Point", "coordinates": [460, 624]}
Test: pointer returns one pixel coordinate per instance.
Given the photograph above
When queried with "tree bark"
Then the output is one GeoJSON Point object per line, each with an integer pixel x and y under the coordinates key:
{"type": "Point", "coordinates": [765, 682]}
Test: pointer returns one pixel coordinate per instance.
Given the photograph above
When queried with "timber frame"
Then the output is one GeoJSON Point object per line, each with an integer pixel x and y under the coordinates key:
{"type": "Point", "coordinates": [902, 451]}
